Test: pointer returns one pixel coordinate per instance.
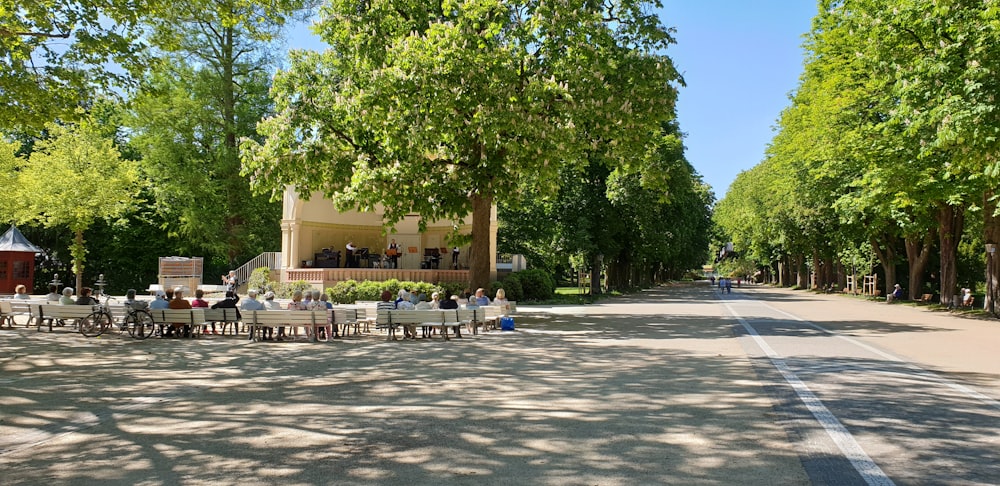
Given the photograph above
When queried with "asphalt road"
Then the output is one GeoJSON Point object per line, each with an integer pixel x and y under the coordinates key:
{"type": "Point", "coordinates": [678, 385]}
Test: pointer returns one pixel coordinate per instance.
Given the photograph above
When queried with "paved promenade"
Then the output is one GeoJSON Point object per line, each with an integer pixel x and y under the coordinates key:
{"type": "Point", "coordinates": [667, 387]}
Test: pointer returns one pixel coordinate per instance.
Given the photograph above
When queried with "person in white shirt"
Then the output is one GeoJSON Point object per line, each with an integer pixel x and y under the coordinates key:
{"type": "Point", "coordinates": [351, 262]}
{"type": "Point", "coordinates": [52, 296]}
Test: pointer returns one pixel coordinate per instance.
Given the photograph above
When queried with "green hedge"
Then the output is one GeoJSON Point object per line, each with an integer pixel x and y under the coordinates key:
{"type": "Point", "coordinates": [527, 285]}
{"type": "Point", "coordinates": [532, 284]}
{"type": "Point", "coordinates": [349, 291]}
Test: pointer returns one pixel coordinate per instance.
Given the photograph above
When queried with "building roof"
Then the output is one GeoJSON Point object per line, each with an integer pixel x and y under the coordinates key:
{"type": "Point", "coordinates": [13, 240]}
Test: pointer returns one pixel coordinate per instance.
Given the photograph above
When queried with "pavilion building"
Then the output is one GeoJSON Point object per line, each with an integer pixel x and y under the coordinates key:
{"type": "Point", "coordinates": [314, 237]}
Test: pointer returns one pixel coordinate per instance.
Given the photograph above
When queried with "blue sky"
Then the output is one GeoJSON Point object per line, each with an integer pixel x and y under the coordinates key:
{"type": "Point", "coordinates": [740, 60]}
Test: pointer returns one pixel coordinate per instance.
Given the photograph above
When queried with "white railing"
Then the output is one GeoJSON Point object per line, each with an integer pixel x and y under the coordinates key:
{"type": "Point", "coordinates": [269, 259]}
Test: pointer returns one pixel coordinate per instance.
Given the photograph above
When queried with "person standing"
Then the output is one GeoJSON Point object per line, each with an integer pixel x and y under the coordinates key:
{"type": "Point", "coordinates": [393, 252]}
{"type": "Point", "coordinates": [230, 281]}
{"type": "Point", "coordinates": [454, 258]}
{"type": "Point", "coordinates": [350, 255]}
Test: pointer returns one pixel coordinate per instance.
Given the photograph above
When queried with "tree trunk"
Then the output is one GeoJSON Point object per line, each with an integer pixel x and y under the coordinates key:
{"type": "Point", "coordinates": [918, 253]}
{"type": "Point", "coordinates": [817, 272]}
{"type": "Point", "coordinates": [887, 257]}
{"type": "Point", "coordinates": [79, 252]}
{"type": "Point", "coordinates": [597, 268]}
{"type": "Point", "coordinates": [801, 279]}
{"type": "Point", "coordinates": [479, 255]}
{"type": "Point", "coordinates": [991, 235]}
{"type": "Point", "coordinates": [951, 220]}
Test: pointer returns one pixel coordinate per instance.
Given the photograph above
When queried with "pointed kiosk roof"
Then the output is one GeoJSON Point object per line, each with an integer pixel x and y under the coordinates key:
{"type": "Point", "coordinates": [13, 240]}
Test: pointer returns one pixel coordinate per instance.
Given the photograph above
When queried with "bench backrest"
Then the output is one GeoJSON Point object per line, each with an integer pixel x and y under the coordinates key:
{"type": "Point", "coordinates": [58, 311]}
{"type": "Point", "coordinates": [344, 315]}
{"type": "Point", "coordinates": [463, 315]}
{"type": "Point", "coordinates": [397, 316]}
{"type": "Point", "coordinates": [223, 314]}
{"type": "Point", "coordinates": [178, 316]}
{"type": "Point", "coordinates": [285, 318]}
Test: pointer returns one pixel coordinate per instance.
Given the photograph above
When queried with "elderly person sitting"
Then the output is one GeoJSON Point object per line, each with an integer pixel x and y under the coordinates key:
{"type": "Point", "coordinates": [67, 296]}
{"type": "Point", "coordinates": [130, 300]}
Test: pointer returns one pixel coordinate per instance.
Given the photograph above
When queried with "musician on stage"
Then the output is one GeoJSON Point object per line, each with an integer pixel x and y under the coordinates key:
{"type": "Point", "coordinates": [393, 252]}
{"type": "Point", "coordinates": [351, 262]}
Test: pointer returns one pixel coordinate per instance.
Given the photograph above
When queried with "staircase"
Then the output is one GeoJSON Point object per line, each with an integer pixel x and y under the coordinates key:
{"type": "Point", "coordinates": [269, 259]}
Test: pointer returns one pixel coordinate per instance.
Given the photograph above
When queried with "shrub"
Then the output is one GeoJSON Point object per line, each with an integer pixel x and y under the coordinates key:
{"type": "Point", "coordinates": [536, 284]}
{"type": "Point", "coordinates": [511, 286]}
{"type": "Point", "coordinates": [349, 291]}
{"type": "Point", "coordinates": [286, 289]}
{"type": "Point", "coordinates": [260, 279]}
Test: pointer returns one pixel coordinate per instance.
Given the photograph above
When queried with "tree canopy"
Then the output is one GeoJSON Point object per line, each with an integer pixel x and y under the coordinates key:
{"type": "Point", "coordinates": [443, 108]}
{"type": "Point", "coordinates": [889, 142]}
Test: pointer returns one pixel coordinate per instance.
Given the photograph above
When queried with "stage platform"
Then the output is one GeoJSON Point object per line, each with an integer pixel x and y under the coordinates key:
{"type": "Point", "coordinates": [328, 277]}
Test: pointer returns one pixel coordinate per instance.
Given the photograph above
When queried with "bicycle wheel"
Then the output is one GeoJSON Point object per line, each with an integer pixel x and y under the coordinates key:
{"type": "Point", "coordinates": [95, 324]}
{"type": "Point", "coordinates": [140, 324]}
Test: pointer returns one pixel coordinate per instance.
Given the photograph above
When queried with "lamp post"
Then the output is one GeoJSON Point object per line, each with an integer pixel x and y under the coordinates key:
{"type": "Point", "coordinates": [991, 248]}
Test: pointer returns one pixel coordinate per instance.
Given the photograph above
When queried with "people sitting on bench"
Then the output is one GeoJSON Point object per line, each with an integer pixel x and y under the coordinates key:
{"type": "Point", "coordinates": [967, 298]}
{"type": "Point", "coordinates": [897, 294]}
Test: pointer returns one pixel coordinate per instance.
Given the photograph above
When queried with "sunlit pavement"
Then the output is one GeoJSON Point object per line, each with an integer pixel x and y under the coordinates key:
{"type": "Point", "coordinates": [659, 388]}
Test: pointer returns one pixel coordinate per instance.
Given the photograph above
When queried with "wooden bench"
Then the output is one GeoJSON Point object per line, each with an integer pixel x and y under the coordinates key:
{"type": "Point", "coordinates": [310, 320]}
{"type": "Point", "coordinates": [345, 318]}
{"type": "Point", "coordinates": [493, 315]}
{"type": "Point", "coordinates": [212, 289]}
{"type": "Point", "coordinates": [187, 317]}
{"type": "Point", "coordinates": [58, 312]}
{"type": "Point", "coordinates": [926, 298]}
{"type": "Point", "coordinates": [7, 314]}
{"type": "Point", "coordinates": [224, 316]}
{"type": "Point", "coordinates": [434, 319]}
{"type": "Point", "coordinates": [366, 313]}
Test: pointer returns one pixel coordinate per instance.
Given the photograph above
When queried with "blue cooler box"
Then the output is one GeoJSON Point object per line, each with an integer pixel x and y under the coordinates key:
{"type": "Point", "coordinates": [506, 323]}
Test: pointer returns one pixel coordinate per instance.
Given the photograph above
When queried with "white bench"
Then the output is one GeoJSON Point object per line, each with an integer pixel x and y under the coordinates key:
{"type": "Point", "coordinates": [187, 317]}
{"type": "Point", "coordinates": [310, 320]}
{"type": "Point", "coordinates": [58, 312]}
{"type": "Point", "coordinates": [212, 289]}
{"type": "Point", "coordinates": [224, 316]}
{"type": "Point", "coordinates": [390, 319]}
{"type": "Point", "coordinates": [7, 314]}
{"type": "Point", "coordinates": [345, 318]}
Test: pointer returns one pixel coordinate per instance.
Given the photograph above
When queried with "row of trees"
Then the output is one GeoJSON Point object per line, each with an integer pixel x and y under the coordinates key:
{"type": "Point", "coordinates": [558, 112]}
{"type": "Point", "coordinates": [889, 146]}
{"type": "Point", "coordinates": [144, 156]}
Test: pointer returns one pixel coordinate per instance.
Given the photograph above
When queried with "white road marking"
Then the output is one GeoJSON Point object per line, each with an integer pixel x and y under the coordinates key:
{"type": "Point", "coordinates": [866, 467]}
{"type": "Point", "coordinates": [896, 359]}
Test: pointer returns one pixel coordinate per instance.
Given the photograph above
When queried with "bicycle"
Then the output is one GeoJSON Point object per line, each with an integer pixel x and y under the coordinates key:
{"type": "Point", "coordinates": [138, 322]}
